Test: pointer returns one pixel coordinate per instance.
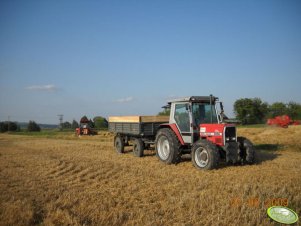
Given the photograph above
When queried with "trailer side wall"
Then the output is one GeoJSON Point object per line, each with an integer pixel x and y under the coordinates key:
{"type": "Point", "coordinates": [136, 129]}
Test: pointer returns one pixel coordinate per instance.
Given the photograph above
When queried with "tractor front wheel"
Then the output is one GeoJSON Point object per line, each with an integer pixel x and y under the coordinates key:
{"type": "Point", "coordinates": [119, 144]}
{"type": "Point", "coordinates": [204, 155]}
{"type": "Point", "coordinates": [138, 147]}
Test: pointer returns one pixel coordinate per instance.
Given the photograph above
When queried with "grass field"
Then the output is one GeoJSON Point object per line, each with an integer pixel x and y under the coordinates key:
{"type": "Point", "coordinates": [60, 179]}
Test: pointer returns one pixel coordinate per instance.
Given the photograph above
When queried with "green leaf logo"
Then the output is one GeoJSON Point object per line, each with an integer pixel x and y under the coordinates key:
{"type": "Point", "coordinates": [282, 215]}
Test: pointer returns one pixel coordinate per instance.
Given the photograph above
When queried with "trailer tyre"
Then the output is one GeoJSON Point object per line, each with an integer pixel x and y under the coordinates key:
{"type": "Point", "coordinates": [138, 147]}
{"type": "Point", "coordinates": [119, 144]}
{"type": "Point", "coordinates": [167, 146]}
{"type": "Point", "coordinates": [204, 155]}
{"type": "Point", "coordinates": [246, 150]}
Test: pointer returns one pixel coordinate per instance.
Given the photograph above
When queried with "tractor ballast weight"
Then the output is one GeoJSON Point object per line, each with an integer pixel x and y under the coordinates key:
{"type": "Point", "coordinates": [195, 126]}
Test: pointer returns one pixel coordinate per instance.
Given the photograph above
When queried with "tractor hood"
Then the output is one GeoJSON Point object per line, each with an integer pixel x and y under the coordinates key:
{"type": "Point", "coordinates": [218, 133]}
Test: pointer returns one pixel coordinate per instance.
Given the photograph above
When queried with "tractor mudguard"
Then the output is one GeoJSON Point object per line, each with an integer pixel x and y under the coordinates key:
{"type": "Point", "coordinates": [175, 129]}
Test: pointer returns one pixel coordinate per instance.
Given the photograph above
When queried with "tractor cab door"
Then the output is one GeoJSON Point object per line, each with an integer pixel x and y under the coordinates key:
{"type": "Point", "coordinates": [182, 118]}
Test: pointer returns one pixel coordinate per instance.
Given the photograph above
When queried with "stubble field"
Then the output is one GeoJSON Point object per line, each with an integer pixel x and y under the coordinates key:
{"type": "Point", "coordinates": [65, 180]}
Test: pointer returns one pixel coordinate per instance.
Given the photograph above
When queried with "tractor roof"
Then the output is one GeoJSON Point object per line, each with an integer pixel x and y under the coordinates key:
{"type": "Point", "coordinates": [194, 99]}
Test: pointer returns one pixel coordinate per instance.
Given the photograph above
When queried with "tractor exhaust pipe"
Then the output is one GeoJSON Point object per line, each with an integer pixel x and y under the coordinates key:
{"type": "Point", "coordinates": [211, 115]}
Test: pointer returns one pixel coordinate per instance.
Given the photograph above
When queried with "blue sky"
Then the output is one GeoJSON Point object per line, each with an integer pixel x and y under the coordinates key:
{"type": "Point", "coordinates": [128, 57]}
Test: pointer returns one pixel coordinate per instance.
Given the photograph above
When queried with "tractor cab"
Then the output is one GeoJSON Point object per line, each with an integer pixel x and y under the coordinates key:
{"type": "Point", "coordinates": [199, 117]}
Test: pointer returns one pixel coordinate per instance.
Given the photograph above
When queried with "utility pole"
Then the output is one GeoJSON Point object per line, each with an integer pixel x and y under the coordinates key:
{"type": "Point", "coordinates": [61, 121]}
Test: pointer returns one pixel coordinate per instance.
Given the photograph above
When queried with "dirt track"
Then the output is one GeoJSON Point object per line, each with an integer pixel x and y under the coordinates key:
{"type": "Point", "coordinates": [66, 180]}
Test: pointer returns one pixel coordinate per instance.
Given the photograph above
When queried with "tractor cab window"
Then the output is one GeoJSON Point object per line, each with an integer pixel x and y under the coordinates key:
{"type": "Point", "coordinates": [201, 113]}
{"type": "Point", "coordinates": [182, 117]}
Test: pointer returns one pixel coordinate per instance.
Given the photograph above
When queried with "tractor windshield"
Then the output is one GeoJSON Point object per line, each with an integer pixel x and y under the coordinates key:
{"type": "Point", "coordinates": [203, 113]}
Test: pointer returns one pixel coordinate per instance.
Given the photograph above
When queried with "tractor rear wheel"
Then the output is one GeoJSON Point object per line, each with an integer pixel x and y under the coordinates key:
{"type": "Point", "coordinates": [246, 150]}
{"type": "Point", "coordinates": [119, 144]}
{"type": "Point", "coordinates": [167, 146]}
{"type": "Point", "coordinates": [138, 147]}
{"type": "Point", "coordinates": [204, 155]}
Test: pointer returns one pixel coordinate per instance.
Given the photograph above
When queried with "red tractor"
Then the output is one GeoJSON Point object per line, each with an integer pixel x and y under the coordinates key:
{"type": "Point", "coordinates": [194, 126]}
{"type": "Point", "coordinates": [85, 128]}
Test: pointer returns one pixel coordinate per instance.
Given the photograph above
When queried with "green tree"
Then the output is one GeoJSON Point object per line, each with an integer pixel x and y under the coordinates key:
{"type": "Point", "coordinates": [100, 122]}
{"type": "Point", "coordinates": [66, 125]}
{"type": "Point", "coordinates": [33, 126]}
{"type": "Point", "coordinates": [8, 126]}
{"type": "Point", "coordinates": [250, 110]}
{"type": "Point", "coordinates": [277, 108]}
{"type": "Point", "coordinates": [12, 126]}
{"type": "Point", "coordinates": [91, 123]}
{"type": "Point", "coordinates": [166, 111]}
{"type": "Point", "coordinates": [3, 127]}
{"type": "Point", "coordinates": [74, 124]}
{"type": "Point", "coordinates": [294, 110]}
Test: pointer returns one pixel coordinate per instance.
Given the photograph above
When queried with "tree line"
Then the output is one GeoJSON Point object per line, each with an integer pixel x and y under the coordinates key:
{"type": "Point", "coordinates": [7, 126]}
{"type": "Point", "coordinates": [97, 122]}
{"type": "Point", "coordinates": [255, 111]}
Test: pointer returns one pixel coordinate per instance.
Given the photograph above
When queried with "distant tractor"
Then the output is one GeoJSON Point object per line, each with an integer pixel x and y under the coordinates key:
{"type": "Point", "coordinates": [283, 121]}
{"type": "Point", "coordinates": [194, 126]}
{"type": "Point", "coordinates": [84, 128]}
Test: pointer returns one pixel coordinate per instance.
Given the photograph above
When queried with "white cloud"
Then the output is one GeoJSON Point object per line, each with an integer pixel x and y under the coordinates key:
{"type": "Point", "coordinates": [125, 100]}
{"type": "Point", "coordinates": [49, 87]}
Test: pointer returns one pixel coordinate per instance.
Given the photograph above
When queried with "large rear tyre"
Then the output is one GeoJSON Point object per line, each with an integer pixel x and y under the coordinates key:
{"type": "Point", "coordinates": [119, 144]}
{"type": "Point", "coordinates": [246, 150]}
{"type": "Point", "coordinates": [204, 155]}
{"type": "Point", "coordinates": [167, 146]}
{"type": "Point", "coordinates": [138, 147]}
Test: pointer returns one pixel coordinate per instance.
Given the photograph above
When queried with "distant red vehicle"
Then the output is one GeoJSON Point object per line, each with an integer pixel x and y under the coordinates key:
{"type": "Point", "coordinates": [283, 121]}
{"type": "Point", "coordinates": [84, 128]}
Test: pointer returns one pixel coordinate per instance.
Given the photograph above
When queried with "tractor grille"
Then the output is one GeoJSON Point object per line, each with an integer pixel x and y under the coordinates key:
{"type": "Point", "coordinates": [230, 134]}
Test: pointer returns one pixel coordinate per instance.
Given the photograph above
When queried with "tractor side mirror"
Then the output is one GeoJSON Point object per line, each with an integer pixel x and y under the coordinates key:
{"type": "Point", "coordinates": [187, 107]}
{"type": "Point", "coordinates": [221, 114]}
{"type": "Point", "coordinates": [221, 106]}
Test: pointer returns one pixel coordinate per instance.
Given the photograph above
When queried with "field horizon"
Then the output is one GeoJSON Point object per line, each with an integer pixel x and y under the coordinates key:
{"type": "Point", "coordinates": [61, 179]}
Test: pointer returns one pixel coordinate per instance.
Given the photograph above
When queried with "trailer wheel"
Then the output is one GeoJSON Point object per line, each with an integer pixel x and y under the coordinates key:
{"type": "Point", "coordinates": [246, 150]}
{"type": "Point", "coordinates": [138, 147]}
{"type": "Point", "coordinates": [119, 144]}
{"type": "Point", "coordinates": [167, 146]}
{"type": "Point", "coordinates": [204, 155]}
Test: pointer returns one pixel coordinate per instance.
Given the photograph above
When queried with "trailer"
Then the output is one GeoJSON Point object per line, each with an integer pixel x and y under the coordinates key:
{"type": "Point", "coordinates": [141, 130]}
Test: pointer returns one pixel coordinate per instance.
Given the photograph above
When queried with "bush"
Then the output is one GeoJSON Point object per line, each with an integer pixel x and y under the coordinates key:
{"type": "Point", "coordinates": [74, 124]}
{"type": "Point", "coordinates": [33, 127]}
{"type": "Point", "coordinates": [8, 126]}
{"type": "Point", "coordinates": [66, 125]}
{"type": "Point", "coordinates": [250, 110]}
{"type": "Point", "coordinates": [165, 112]}
{"type": "Point", "coordinates": [100, 122]}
